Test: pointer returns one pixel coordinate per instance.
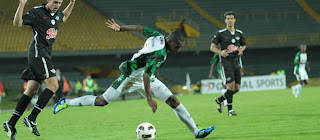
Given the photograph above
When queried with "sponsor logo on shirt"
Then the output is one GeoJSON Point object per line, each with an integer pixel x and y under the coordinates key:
{"type": "Point", "coordinates": [51, 33]}
{"type": "Point", "coordinates": [232, 48]}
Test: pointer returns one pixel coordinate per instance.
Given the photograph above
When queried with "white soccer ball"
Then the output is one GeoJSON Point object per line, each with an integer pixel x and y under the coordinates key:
{"type": "Point", "coordinates": [146, 131]}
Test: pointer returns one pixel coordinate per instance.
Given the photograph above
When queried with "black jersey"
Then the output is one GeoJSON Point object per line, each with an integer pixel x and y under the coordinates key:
{"type": "Point", "coordinates": [45, 29]}
{"type": "Point", "coordinates": [231, 42]}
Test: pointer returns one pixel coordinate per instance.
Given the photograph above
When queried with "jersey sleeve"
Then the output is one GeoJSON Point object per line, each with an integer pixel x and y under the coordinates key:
{"type": "Point", "coordinates": [215, 59]}
{"type": "Point", "coordinates": [29, 18]}
{"type": "Point", "coordinates": [216, 38]}
{"type": "Point", "coordinates": [242, 40]}
{"type": "Point", "coordinates": [149, 33]}
{"type": "Point", "coordinates": [297, 58]}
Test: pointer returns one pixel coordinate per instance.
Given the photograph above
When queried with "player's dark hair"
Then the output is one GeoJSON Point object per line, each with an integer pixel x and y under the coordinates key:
{"type": "Point", "coordinates": [229, 13]}
{"type": "Point", "coordinates": [175, 36]}
{"type": "Point", "coordinates": [302, 45]}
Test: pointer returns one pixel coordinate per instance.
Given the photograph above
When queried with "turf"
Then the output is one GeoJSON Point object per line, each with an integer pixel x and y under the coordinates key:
{"type": "Point", "coordinates": [261, 115]}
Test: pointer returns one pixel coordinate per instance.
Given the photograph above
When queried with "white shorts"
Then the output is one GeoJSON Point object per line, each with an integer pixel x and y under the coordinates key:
{"type": "Point", "coordinates": [303, 75]}
{"type": "Point", "coordinates": [158, 89]}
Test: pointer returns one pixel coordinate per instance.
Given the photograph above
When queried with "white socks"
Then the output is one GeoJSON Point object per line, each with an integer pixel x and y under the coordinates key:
{"type": "Point", "coordinates": [297, 89]}
{"type": "Point", "coordinates": [87, 100]}
{"type": "Point", "coordinates": [185, 117]}
{"type": "Point", "coordinates": [223, 91]}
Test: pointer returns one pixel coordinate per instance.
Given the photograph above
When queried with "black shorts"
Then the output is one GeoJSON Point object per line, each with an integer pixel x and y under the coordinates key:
{"type": "Point", "coordinates": [230, 74]}
{"type": "Point", "coordinates": [39, 69]}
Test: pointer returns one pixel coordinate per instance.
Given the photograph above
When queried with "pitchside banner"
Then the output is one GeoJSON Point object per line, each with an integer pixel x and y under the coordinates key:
{"type": "Point", "coordinates": [249, 83]}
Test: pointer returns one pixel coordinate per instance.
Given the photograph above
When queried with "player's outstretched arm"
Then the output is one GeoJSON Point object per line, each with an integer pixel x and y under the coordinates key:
{"type": "Point", "coordinates": [68, 10]}
{"type": "Point", "coordinates": [116, 27]}
{"type": "Point", "coordinates": [151, 103]}
{"type": "Point", "coordinates": [17, 21]}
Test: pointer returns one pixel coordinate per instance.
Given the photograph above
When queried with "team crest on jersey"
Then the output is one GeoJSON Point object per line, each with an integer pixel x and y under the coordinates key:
{"type": "Point", "coordinates": [53, 22]}
{"type": "Point", "coordinates": [237, 38]}
{"type": "Point", "coordinates": [233, 40]}
{"type": "Point", "coordinates": [57, 18]}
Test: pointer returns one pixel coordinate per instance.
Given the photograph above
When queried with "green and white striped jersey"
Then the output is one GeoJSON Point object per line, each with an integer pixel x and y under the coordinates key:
{"type": "Point", "coordinates": [300, 57]}
{"type": "Point", "coordinates": [150, 57]}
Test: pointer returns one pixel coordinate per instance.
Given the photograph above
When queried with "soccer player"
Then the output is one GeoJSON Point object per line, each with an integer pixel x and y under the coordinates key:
{"type": "Point", "coordinates": [232, 45]}
{"type": "Point", "coordinates": [140, 72]}
{"type": "Point", "coordinates": [300, 63]}
{"type": "Point", "coordinates": [215, 62]}
{"type": "Point", "coordinates": [44, 20]}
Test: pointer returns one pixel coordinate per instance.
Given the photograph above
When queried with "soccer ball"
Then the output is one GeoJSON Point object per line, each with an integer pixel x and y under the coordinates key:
{"type": "Point", "coordinates": [146, 131]}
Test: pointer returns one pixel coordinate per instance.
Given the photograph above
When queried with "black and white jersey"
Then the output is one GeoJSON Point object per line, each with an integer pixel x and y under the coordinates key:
{"type": "Point", "coordinates": [230, 42]}
{"type": "Point", "coordinates": [45, 29]}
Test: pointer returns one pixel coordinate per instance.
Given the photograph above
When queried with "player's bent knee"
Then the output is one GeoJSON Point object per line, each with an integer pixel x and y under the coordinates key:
{"type": "Point", "coordinates": [173, 102]}
{"type": "Point", "coordinates": [231, 86]}
{"type": "Point", "coordinates": [53, 87]}
{"type": "Point", "coordinates": [30, 93]}
{"type": "Point", "coordinates": [100, 101]}
{"type": "Point", "coordinates": [110, 95]}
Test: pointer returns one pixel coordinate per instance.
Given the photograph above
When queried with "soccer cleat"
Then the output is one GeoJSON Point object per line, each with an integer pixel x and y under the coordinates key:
{"type": "Point", "coordinates": [11, 131]}
{"type": "Point", "coordinates": [204, 132]}
{"type": "Point", "coordinates": [32, 126]}
{"type": "Point", "coordinates": [231, 113]}
{"type": "Point", "coordinates": [62, 104]}
{"type": "Point", "coordinates": [219, 105]}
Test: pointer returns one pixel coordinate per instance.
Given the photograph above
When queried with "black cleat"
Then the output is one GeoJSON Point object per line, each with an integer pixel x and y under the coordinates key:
{"type": "Point", "coordinates": [11, 131]}
{"type": "Point", "coordinates": [219, 105]}
{"type": "Point", "coordinates": [231, 113]}
{"type": "Point", "coordinates": [32, 126]}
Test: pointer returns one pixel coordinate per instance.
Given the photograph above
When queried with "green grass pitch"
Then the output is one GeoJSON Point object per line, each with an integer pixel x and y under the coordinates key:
{"type": "Point", "coordinates": [261, 115]}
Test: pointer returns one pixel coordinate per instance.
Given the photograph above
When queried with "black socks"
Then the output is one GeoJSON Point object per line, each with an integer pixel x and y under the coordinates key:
{"type": "Point", "coordinates": [20, 108]}
{"type": "Point", "coordinates": [41, 103]}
